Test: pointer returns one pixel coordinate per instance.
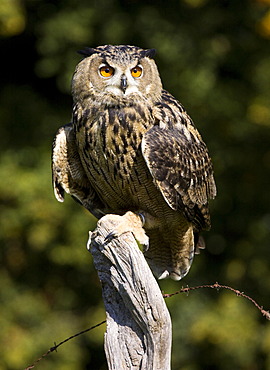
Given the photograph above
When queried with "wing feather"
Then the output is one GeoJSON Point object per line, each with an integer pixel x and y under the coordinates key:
{"type": "Point", "coordinates": [182, 170]}
{"type": "Point", "coordinates": [68, 174]}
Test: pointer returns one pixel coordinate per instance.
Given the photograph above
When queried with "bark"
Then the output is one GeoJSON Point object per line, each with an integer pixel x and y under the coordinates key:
{"type": "Point", "coordinates": [138, 334]}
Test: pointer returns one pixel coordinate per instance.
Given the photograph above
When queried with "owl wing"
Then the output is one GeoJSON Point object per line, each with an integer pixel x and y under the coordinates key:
{"type": "Point", "coordinates": [68, 174]}
{"type": "Point", "coordinates": [182, 170]}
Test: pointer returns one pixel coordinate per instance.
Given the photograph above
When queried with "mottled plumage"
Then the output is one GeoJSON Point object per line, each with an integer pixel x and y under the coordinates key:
{"type": "Point", "coordinates": [132, 147]}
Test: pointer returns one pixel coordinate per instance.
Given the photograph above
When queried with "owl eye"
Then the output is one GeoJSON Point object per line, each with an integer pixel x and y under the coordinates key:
{"type": "Point", "coordinates": [136, 72]}
{"type": "Point", "coordinates": [106, 71]}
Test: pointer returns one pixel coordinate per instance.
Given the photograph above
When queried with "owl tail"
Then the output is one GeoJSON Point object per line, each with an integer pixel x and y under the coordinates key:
{"type": "Point", "coordinates": [171, 252]}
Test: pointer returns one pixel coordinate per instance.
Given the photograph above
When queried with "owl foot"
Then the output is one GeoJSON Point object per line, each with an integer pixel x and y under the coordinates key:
{"type": "Point", "coordinates": [130, 222]}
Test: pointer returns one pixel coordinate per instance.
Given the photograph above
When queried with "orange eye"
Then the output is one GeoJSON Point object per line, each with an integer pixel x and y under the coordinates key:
{"type": "Point", "coordinates": [106, 71]}
{"type": "Point", "coordinates": [136, 72]}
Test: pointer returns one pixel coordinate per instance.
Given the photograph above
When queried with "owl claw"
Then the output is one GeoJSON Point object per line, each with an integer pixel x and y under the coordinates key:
{"type": "Point", "coordinates": [110, 236]}
{"type": "Point", "coordinates": [133, 223]}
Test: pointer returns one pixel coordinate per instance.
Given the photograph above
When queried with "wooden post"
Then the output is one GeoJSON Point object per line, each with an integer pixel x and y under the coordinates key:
{"type": "Point", "coordinates": [138, 334]}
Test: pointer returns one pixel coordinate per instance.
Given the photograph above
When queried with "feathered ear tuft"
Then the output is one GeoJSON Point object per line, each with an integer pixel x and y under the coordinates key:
{"type": "Point", "coordinates": [150, 53]}
{"type": "Point", "coordinates": [87, 52]}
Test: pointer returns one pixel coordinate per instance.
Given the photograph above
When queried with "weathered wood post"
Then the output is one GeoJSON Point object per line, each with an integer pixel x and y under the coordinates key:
{"type": "Point", "coordinates": [138, 334]}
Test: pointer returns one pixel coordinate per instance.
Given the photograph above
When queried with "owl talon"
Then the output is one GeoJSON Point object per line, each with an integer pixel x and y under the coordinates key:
{"type": "Point", "coordinates": [133, 223]}
{"type": "Point", "coordinates": [110, 236]}
{"type": "Point", "coordinates": [142, 217]}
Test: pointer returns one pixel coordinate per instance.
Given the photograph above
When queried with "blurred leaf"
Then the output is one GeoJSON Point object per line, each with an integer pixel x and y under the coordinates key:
{"type": "Point", "coordinates": [12, 18]}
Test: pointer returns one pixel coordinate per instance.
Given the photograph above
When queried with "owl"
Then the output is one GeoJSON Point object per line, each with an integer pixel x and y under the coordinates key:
{"type": "Point", "coordinates": [131, 146]}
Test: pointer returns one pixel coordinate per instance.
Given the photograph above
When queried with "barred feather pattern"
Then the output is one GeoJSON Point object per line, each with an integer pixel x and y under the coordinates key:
{"type": "Point", "coordinates": [142, 154]}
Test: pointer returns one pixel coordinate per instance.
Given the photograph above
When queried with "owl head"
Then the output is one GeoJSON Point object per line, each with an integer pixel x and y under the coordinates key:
{"type": "Point", "coordinates": [117, 75]}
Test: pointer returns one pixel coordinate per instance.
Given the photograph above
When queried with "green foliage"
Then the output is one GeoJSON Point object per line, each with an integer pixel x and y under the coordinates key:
{"type": "Point", "coordinates": [215, 57]}
{"type": "Point", "coordinates": [12, 19]}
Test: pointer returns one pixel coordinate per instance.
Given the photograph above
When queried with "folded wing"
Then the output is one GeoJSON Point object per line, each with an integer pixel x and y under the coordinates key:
{"type": "Point", "coordinates": [182, 170]}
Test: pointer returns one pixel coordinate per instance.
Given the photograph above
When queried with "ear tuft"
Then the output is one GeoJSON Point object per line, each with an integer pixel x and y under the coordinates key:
{"type": "Point", "coordinates": [87, 52]}
{"type": "Point", "coordinates": [150, 53]}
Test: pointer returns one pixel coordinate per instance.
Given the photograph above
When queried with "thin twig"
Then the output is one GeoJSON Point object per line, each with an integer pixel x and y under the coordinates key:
{"type": "Point", "coordinates": [54, 348]}
{"type": "Point", "coordinates": [218, 286]}
{"type": "Point", "coordinates": [187, 289]}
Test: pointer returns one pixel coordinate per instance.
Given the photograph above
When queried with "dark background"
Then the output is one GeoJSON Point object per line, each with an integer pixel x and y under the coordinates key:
{"type": "Point", "coordinates": [214, 56]}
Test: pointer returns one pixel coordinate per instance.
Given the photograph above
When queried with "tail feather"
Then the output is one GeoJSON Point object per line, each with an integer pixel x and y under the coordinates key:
{"type": "Point", "coordinates": [170, 252]}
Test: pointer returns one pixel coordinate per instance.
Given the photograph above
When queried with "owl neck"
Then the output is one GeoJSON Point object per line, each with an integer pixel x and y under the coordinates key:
{"type": "Point", "coordinates": [91, 109]}
{"type": "Point", "coordinates": [107, 100]}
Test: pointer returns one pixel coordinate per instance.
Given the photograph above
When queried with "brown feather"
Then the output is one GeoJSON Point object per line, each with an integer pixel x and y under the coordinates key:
{"type": "Point", "coordinates": [136, 149]}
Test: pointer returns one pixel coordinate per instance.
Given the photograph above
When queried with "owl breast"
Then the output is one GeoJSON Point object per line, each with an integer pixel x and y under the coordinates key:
{"type": "Point", "coordinates": [110, 148]}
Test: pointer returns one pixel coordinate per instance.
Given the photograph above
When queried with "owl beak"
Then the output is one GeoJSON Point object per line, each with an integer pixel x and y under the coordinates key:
{"type": "Point", "coordinates": [124, 83]}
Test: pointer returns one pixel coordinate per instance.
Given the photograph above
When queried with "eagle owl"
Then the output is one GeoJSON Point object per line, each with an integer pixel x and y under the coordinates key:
{"type": "Point", "coordinates": [131, 146]}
